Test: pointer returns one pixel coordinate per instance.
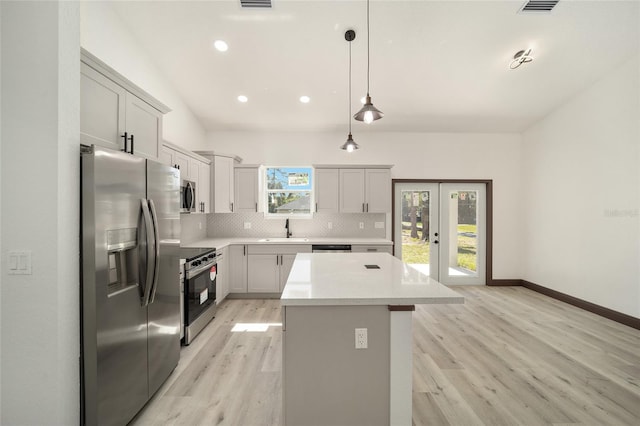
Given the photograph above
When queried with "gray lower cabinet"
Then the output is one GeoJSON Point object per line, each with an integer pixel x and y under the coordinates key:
{"type": "Point", "coordinates": [268, 266]}
{"type": "Point", "coordinates": [373, 248]}
{"type": "Point", "coordinates": [264, 273]}
{"type": "Point", "coordinates": [222, 281]}
{"type": "Point", "coordinates": [237, 268]}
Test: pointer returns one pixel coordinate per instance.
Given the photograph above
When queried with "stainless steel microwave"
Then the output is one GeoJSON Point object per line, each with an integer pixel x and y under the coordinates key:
{"type": "Point", "coordinates": [187, 196]}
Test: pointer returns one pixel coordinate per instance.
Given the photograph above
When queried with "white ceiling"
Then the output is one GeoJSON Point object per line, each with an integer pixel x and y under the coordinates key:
{"type": "Point", "coordinates": [436, 66]}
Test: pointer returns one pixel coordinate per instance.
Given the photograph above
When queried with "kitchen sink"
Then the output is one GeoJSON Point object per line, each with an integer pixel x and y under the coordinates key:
{"type": "Point", "coordinates": [283, 240]}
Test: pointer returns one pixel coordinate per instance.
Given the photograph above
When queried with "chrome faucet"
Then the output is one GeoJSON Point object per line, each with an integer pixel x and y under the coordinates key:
{"type": "Point", "coordinates": [286, 225]}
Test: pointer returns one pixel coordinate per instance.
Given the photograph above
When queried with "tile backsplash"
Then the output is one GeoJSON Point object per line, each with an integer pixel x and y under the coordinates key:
{"type": "Point", "coordinates": [321, 225]}
{"type": "Point", "coordinates": [193, 227]}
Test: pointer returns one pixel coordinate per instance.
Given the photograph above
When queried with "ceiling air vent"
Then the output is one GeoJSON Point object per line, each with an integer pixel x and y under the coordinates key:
{"type": "Point", "coordinates": [255, 3]}
{"type": "Point", "coordinates": [539, 6]}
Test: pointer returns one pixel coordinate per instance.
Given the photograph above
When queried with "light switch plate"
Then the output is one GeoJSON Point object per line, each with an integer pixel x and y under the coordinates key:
{"type": "Point", "coordinates": [361, 225]}
{"type": "Point", "coordinates": [20, 262]}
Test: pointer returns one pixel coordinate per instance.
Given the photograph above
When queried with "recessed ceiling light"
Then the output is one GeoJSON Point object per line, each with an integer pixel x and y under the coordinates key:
{"type": "Point", "coordinates": [305, 99]}
{"type": "Point", "coordinates": [243, 98]}
{"type": "Point", "coordinates": [221, 45]}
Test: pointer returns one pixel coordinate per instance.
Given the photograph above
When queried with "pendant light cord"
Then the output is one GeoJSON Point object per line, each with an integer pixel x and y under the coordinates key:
{"type": "Point", "coordinates": [349, 87]}
{"type": "Point", "coordinates": [368, 53]}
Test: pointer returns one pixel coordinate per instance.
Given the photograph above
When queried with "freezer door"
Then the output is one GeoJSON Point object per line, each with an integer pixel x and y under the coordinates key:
{"type": "Point", "coordinates": [114, 322]}
{"type": "Point", "coordinates": [163, 191]}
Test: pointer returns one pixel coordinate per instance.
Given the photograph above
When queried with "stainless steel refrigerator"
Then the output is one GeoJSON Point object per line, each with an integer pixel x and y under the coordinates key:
{"type": "Point", "coordinates": [130, 312]}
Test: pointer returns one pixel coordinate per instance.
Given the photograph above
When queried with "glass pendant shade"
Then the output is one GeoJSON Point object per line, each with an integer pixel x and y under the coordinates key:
{"type": "Point", "coordinates": [368, 113]}
{"type": "Point", "coordinates": [350, 145]}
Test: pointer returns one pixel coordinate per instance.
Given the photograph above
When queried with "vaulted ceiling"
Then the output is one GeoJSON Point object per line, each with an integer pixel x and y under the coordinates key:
{"type": "Point", "coordinates": [436, 66]}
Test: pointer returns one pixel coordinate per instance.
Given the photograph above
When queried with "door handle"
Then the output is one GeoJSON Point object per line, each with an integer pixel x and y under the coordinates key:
{"type": "Point", "coordinates": [148, 277]}
{"type": "Point", "coordinates": [156, 244]}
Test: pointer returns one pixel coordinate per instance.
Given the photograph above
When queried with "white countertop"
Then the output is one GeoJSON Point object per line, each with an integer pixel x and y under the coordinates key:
{"type": "Point", "coordinates": [219, 243]}
{"type": "Point", "coordinates": [342, 279]}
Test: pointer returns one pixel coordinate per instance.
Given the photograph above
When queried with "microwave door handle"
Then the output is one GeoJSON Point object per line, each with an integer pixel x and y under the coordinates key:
{"type": "Point", "coordinates": [156, 245]}
{"type": "Point", "coordinates": [148, 278]}
{"type": "Point", "coordinates": [193, 196]}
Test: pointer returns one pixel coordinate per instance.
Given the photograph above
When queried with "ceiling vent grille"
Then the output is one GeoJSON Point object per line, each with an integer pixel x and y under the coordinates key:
{"type": "Point", "coordinates": [539, 6]}
{"type": "Point", "coordinates": [255, 3]}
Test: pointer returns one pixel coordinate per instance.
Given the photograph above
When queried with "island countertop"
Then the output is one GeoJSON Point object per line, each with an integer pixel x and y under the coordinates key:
{"type": "Point", "coordinates": [331, 279]}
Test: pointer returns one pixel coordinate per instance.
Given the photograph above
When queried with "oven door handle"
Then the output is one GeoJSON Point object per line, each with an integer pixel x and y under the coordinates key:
{"type": "Point", "coordinates": [193, 272]}
{"type": "Point", "coordinates": [148, 276]}
{"type": "Point", "coordinates": [156, 252]}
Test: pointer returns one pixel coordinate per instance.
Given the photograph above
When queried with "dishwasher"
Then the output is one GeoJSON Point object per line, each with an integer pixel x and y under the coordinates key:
{"type": "Point", "coordinates": [331, 248]}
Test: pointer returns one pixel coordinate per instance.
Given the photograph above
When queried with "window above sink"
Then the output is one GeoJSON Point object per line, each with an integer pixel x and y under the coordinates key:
{"type": "Point", "coordinates": [288, 191]}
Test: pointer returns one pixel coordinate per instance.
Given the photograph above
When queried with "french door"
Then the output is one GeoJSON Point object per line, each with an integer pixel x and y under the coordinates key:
{"type": "Point", "coordinates": [440, 229]}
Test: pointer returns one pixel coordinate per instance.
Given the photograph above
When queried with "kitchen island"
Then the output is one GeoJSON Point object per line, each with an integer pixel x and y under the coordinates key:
{"type": "Point", "coordinates": [333, 302]}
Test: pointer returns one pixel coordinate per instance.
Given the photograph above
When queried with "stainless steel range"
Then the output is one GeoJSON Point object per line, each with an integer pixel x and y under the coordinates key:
{"type": "Point", "coordinates": [199, 293]}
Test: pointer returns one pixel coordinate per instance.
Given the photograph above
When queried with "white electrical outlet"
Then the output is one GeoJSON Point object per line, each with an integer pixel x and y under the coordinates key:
{"type": "Point", "coordinates": [200, 225]}
{"type": "Point", "coordinates": [247, 225]}
{"type": "Point", "coordinates": [361, 225]}
{"type": "Point", "coordinates": [329, 225]}
{"type": "Point", "coordinates": [379, 225]}
{"type": "Point", "coordinates": [361, 338]}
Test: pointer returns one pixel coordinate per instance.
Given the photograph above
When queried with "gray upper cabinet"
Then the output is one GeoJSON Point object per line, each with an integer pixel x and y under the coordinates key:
{"type": "Point", "coordinates": [102, 104]}
{"type": "Point", "coordinates": [364, 190]}
{"type": "Point", "coordinates": [377, 190]}
{"type": "Point", "coordinates": [352, 191]}
{"type": "Point", "coordinates": [327, 191]}
{"type": "Point", "coordinates": [112, 107]}
{"type": "Point", "coordinates": [143, 123]}
{"type": "Point", "coordinates": [246, 188]}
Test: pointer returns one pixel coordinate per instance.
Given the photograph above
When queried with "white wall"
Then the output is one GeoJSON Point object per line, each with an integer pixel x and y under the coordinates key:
{"type": "Point", "coordinates": [105, 35]}
{"type": "Point", "coordinates": [582, 193]}
{"type": "Point", "coordinates": [40, 206]}
{"type": "Point", "coordinates": [414, 155]}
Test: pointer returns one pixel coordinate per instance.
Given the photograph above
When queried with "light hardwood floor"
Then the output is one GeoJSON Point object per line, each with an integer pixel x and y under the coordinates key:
{"type": "Point", "coordinates": [507, 356]}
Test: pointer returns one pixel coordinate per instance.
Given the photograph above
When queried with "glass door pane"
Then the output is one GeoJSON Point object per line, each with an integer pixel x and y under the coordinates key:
{"type": "Point", "coordinates": [416, 224]}
{"type": "Point", "coordinates": [462, 223]}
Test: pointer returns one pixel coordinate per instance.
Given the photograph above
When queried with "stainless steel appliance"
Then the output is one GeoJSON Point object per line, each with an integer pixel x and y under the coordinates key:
{"type": "Point", "coordinates": [130, 324]}
{"type": "Point", "coordinates": [200, 274]}
{"type": "Point", "coordinates": [182, 262]}
{"type": "Point", "coordinates": [187, 196]}
{"type": "Point", "coordinates": [331, 248]}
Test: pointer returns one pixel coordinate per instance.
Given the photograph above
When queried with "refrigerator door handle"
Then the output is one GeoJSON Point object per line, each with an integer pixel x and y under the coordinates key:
{"type": "Point", "coordinates": [150, 252]}
{"type": "Point", "coordinates": [156, 244]}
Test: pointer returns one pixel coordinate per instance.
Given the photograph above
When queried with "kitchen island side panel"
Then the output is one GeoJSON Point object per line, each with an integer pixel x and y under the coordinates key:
{"type": "Point", "coordinates": [326, 380]}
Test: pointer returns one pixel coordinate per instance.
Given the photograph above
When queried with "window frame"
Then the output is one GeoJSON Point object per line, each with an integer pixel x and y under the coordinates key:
{"type": "Point", "coordinates": [266, 191]}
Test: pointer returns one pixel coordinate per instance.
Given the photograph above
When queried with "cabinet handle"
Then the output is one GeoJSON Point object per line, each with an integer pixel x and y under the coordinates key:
{"type": "Point", "coordinates": [277, 259]}
{"type": "Point", "coordinates": [126, 139]}
{"type": "Point", "coordinates": [256, 206]}
{"type": "Point", "coordinates": [231, 207]}
{"type": "Point", "coordinates": [362, 207]}
{"type": "Point", "coordinates": [316, 207]}
{"type": "Point", "coordinates": [244, 250]}
{"type": "Point", "coordinates": [367, 207]}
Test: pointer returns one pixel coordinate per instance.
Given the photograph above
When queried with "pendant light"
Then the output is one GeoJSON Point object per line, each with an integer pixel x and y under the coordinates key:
{"type": "Point", "coordinates": [350, 145]}
{"type": "Point", "coordinates": [368, 113]}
